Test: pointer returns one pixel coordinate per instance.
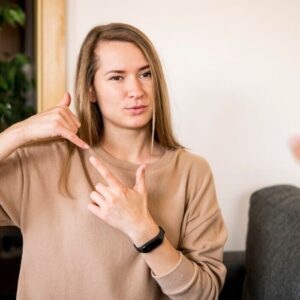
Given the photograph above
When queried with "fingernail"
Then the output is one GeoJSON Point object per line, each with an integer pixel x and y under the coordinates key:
{"type": "Point", "coordinates": [92, 159]}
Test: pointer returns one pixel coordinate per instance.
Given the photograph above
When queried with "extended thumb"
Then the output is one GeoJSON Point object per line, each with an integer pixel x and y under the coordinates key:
{"type": "Point", "coordinates": [140, 179]}
{"type": "Point", "coordinates": [66, 101]}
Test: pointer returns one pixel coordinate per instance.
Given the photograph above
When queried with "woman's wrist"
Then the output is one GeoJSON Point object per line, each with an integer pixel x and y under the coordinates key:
{"type": "Point", "coordinates": [17, 134]}
{"type": "Point", "coordinates": [144, 232]}
{"type": "Point", "coordinates": [10, 140]}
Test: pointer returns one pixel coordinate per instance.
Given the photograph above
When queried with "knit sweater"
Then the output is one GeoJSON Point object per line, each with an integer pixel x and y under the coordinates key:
{"type": "Point", "coordinates": [69, 253]}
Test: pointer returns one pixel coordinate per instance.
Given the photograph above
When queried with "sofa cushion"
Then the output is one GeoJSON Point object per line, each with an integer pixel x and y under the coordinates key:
{"type": "Point", "coordinates": [273, 244]}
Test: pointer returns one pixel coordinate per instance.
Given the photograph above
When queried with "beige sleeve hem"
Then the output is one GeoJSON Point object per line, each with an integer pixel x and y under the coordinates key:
{"type": "Point", "coordinates": [179, 278]}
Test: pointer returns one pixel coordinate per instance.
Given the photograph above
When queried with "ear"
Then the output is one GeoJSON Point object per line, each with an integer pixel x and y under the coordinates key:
{"type": "Point", "coordinates": [92, 95]}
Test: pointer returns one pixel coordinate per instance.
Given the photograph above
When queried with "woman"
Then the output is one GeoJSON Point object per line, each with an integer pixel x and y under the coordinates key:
{"type": "Point", "coordinates": [114, 207]}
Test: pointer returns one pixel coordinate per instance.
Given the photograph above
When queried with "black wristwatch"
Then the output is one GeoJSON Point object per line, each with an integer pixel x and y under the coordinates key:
{"type": "Point", "coordinates": [153, 243]}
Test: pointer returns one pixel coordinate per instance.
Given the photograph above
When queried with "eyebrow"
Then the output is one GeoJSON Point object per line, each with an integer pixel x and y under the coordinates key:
{"type": "Point", "coordinates": [122, 72]}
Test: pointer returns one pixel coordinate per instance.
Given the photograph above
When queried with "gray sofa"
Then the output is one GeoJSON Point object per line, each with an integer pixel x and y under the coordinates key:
{"type": "Point", "coordinates": [269, 269]}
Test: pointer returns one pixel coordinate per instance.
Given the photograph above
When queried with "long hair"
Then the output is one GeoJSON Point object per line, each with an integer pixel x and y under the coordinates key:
{"type": "Point", "coordinates": [89, 113]}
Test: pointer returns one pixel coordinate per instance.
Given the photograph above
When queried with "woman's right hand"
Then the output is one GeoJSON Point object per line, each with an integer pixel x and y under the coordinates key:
{"type": "Point", "coordinates": [58, 121]}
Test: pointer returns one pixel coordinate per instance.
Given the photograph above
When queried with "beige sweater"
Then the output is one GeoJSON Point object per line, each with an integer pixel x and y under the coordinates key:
{"type": "Point", "coordinates": [69, 253]}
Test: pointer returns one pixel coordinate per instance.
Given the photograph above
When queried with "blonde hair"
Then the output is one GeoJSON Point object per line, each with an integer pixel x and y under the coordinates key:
{"type": "Point", "coordinates": [89, 113]}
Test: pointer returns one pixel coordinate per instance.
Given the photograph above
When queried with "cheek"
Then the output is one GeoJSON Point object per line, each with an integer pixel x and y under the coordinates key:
{"type": "Point", "coordinates": [107, 91]}
{"type": "Point", "coordinates": [107, 97]}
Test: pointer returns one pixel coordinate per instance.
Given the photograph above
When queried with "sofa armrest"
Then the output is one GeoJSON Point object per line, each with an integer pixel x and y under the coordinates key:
{"type": "Point", "coordinates": [273, 243]}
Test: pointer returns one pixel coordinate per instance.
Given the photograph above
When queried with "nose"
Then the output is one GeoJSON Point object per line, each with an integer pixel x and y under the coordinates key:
{"type": "Point", "coordinates": [135, 88]}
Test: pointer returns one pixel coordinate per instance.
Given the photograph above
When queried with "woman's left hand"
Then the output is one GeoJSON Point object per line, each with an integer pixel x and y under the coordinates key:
{"type": "Point", "coordinates": [122, 207]}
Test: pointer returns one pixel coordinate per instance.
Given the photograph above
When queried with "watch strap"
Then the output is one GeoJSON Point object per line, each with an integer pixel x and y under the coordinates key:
{"type": "Point", "coordinates": [153, 243]}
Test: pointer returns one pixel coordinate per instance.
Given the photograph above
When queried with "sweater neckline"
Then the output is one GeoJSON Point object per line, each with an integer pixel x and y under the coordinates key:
{"type": "Point", "coordinates": [126, 165]}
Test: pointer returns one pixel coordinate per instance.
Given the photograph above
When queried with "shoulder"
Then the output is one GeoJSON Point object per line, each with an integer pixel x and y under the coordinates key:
{"type": "Point", "coordinates": [194, 171]}
{"type": "Point", "coordinates": [192, 162]}
{"type": "Point", "coordinates": [190, 169]}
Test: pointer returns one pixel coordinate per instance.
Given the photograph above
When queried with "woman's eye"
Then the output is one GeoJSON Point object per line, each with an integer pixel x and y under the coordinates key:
{"type": "Point", "coordinates": [146, 74]}
{"type": "Point", "coordinates": [116, 78]}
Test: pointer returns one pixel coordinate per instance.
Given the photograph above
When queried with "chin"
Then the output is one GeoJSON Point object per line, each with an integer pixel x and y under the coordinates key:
{"type": "Point", "coordinates": [138, 123]}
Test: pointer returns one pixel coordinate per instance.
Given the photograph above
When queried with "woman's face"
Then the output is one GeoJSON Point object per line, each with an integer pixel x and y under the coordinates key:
{"type": "Point", "coordinates": [123, 85]}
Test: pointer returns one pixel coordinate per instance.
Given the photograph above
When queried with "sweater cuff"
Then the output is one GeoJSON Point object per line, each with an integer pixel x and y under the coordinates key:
{"type": "Point", "coordinates": [179, 278]}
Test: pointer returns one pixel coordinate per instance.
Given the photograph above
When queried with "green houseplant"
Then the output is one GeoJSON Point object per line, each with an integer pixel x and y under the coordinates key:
{"type": "Point", "coordinates": [15, 83]}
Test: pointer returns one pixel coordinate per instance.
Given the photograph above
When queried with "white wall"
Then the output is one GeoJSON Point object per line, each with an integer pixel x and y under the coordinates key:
{"type": "Point", "coordinates": [233, 69]}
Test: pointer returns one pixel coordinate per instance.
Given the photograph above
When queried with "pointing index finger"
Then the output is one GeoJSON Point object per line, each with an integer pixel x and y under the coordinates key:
{"type": "Point", "coordinates": [107, 175]}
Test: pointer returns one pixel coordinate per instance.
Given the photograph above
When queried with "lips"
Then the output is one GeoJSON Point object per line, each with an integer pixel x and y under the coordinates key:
{"type": "Point", "coordinates": [136, 110]}
{"type": "Point", "coordinates": [137, 107]}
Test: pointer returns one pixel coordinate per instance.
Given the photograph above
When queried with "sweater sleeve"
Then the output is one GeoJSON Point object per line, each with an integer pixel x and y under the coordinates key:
{"type": "Point", "coordinates": [200, 273]}
{"type": "Point", "coordinates": [11, 190]}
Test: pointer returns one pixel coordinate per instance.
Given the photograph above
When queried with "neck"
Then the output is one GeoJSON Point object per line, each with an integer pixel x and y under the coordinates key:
{"type": "Point", "coordinates": [131, 145]}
